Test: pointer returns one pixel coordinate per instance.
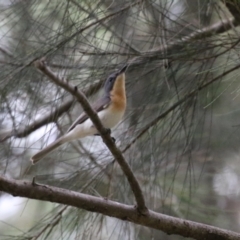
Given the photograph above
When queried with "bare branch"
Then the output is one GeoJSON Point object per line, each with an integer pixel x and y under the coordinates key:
{"type": "Point", "coordinates": [105, 136]}
{"type": "Point", "coordinates": [167, 224]}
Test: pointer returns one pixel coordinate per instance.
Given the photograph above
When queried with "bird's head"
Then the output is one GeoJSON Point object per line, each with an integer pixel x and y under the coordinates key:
{"type": "Point", "coordinates": [115, 81]}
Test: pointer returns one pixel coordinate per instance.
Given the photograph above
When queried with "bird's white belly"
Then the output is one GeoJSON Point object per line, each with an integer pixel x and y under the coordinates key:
{"type": "Point", "coordinates": [108, 118]}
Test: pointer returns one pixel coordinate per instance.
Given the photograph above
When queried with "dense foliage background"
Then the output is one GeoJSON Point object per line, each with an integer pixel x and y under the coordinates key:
{"type": "Point", "coordinates": [180, 133]}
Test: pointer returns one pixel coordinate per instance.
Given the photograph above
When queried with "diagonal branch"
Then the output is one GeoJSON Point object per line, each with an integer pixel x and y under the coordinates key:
{"type": "Point", "coordinates": [105, 136]}
{"type": "Point", "coordinates": [167, 224]}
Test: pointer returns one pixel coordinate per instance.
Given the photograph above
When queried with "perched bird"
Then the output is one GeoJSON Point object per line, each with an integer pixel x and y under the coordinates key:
{"type": "Point", "coordinates": [110, 109]}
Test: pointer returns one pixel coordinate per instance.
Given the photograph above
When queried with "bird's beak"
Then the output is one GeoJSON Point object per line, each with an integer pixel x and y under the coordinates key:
{"type": "Point", "coordinates": [123, 69]}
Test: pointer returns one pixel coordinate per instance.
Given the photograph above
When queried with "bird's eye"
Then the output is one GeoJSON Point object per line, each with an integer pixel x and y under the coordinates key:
{"type": "Point", "coordinates": [111, 79]}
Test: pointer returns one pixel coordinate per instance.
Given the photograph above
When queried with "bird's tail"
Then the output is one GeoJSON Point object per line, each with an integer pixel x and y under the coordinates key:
{"type": "Point", "coordinates": [38, 156]}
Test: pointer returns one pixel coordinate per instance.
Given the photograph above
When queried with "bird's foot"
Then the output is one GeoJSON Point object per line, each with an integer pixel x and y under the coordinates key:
{"type": "Point", "coordinates": [108, 131]}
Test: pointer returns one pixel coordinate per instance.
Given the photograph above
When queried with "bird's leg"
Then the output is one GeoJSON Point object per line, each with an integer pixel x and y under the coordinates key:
{"type": "Point", "coordinates": [107, 131]}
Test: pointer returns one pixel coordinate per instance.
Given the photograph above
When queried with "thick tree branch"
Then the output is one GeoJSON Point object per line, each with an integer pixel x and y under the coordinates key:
{"type": "Point", "coordinates": [167, 224]}
{"type": "Point", "coordinates": [106, 137]}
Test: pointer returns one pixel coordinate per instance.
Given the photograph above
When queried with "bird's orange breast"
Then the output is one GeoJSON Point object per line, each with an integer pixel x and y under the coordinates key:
{"type": "Point", "coordinates": [118, 94]}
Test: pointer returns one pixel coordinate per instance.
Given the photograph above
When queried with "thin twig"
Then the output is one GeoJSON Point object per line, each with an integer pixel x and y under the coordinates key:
{"type": "Point", "coordinates": [6, 52]}
{"type": "Point", "coordinates": [122, 39]}
{"type": "Point", "coordinates": [52, 224]}
{"type": "Point", "coordinates": [165, 223]}
{"type": "Point", "coordinates": [105, 136]}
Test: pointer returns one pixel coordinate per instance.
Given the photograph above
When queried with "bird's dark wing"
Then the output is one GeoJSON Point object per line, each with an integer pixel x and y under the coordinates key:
{"type": "Point", "coordinates": [101, 104]}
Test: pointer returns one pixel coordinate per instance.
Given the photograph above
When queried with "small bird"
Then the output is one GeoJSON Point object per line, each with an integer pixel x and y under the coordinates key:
{"type": "Point", "coordinates": [110, 109]}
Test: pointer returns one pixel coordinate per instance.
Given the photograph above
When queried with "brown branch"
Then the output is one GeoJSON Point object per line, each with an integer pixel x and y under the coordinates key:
{"type": "Point", "coordinates": [105, 136]}
{"type": "Point", "coordinates": [175, 105]}
{"type": "Point", "coordinates": [167, 224]}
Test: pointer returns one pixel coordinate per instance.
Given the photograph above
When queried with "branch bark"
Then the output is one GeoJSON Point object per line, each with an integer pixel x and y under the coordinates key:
{"type": "Point", "coordinates": [167, 224]}
{"type": "Point", "coordinates": [105, 136]}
